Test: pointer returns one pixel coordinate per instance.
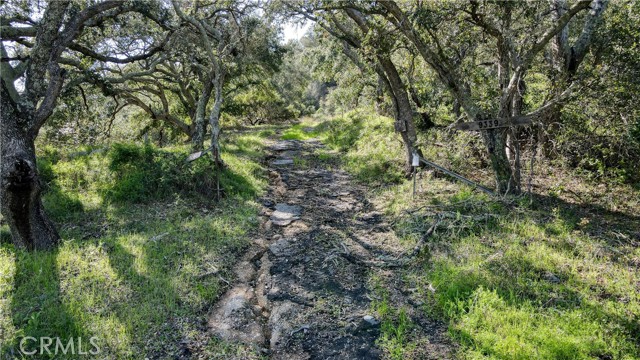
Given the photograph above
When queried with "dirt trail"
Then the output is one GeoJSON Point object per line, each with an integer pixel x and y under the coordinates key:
{"type": "Point", "coordinates": [302, 291]}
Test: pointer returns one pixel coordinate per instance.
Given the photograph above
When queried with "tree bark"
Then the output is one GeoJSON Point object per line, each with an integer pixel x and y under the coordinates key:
{"type": "Point", "coordinates": [214, 119]}
{"type": "Point", "coordinates": [199, 124]}
{"type": "Point", "coordinates": [404, 113]}
{"type": "Point", "coordinates": [20, 198]}
{"type": "Point", "coordinates": [496, 143]}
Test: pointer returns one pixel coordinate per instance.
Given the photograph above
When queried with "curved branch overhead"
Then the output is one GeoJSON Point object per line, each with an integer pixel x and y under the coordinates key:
{"type": "Point", "coordinates": [54, 35]}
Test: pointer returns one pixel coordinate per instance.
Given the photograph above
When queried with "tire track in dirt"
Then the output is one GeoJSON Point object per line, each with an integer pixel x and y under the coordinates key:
{"type": "Point", "coordinates": [301, 290]}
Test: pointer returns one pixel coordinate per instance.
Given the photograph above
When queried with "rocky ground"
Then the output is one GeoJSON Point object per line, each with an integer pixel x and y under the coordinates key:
{"type": "Point", "coordinates": [304, 289]}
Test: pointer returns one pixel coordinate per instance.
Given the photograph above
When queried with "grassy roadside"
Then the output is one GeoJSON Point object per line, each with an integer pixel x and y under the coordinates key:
{"type": "Point", "coordinates": [533, 278]}
{"type": "Point", "coordinates": [142, 259]}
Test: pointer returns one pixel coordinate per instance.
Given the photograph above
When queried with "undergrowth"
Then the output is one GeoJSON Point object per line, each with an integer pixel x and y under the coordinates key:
{"type": "Point", "coordinates": [532, 278]}
{"type": "Point", "coordinates": [145, 252]}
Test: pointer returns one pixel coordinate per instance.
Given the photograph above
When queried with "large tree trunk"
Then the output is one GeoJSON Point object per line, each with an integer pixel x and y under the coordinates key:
{"type": "Point", "coordinates": [20, 198]}
{"type": "Point", "coordinates": [495, 141]}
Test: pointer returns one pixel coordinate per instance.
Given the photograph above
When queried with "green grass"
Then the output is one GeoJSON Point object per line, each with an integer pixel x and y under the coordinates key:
{"type": "Point", "coordinates": [543, 281]}
{"type": "Point", "coordinates": [395, 327]}
{"type": "Point", "coordinates": [301, 131]}
{"type": "Point", "coordinates": [136, 273]}
{"type": "Point", "coordinates": [372, 150]}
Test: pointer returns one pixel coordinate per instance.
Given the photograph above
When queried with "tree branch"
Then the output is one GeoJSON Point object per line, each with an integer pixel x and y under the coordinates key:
{"type": "Point", "coordinates": [105, 58]}
{"type": "Point", "coordinates": [549, 34]}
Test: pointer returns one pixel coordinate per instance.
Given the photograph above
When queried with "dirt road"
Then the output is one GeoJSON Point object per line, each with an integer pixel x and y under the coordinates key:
{"type": "Point", "coordinates": [309, 286]}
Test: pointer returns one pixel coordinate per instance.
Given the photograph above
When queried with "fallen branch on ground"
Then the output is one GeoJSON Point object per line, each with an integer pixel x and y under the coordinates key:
{"type": "Point", "coordinates": [423, 240]}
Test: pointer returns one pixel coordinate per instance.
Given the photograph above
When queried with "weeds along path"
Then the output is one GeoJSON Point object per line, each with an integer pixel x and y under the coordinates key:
{"type": "Point", "coordinates": [308, 287]}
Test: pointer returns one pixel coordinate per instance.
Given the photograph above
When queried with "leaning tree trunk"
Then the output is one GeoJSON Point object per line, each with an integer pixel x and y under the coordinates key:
{"type": "Point", "coordinates": [388, 72]}
{"type": "Point", "coordinates": [20, 197]}
{"type": "Point", "coordinates": [403, 111]}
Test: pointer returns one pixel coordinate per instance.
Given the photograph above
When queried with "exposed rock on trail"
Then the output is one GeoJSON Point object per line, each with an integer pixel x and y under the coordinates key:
{"type": "Point", "coordinates": [285, 214]}
{"type": "Point", "coordinates": [296, 295]}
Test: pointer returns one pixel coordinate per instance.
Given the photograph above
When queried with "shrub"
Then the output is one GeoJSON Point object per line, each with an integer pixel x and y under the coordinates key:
{"type": "Point", "coordinates": [602, 156]}
{"type": "Point", "coordinates": [130, 173]}
{"type": "Point", "coordinates": [144, 172]}
{"type": "Point", "coordinates": [599, 144]}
